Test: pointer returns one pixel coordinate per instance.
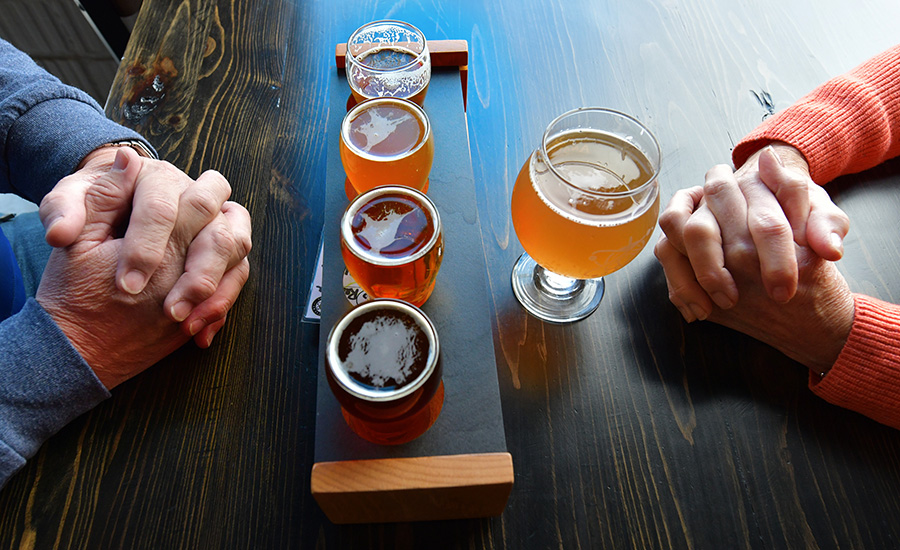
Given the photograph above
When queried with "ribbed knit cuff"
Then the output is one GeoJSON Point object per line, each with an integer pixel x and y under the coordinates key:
{"type": "Point", "coordinates": [866, 376]}
{"type": "Point", "coordinates": [846, 125]}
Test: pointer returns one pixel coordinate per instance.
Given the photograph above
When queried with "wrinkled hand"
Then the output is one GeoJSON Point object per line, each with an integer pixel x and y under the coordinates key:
{"type": "Point", "coordinates": [164, 200]}
{"type": "Point", "coordinates": [811, 328]}
{"type": "Point", "coordinates": [118, 333]}
{"type": "Point", "coordinates": [782, 206]}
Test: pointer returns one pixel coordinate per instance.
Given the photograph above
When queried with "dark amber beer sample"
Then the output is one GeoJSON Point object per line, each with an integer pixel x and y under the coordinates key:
{"type": "Point", "coordinates": [392, 244]}
{"type": "Point", "coordinates": [383, 366]}
{"type": "Point", "coordinates": [388, 59]}
{"type": "Point", "coordinates": [386, 142]}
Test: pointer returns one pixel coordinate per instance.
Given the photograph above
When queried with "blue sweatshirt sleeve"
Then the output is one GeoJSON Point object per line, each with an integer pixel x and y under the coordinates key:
{"type": "Point", "coordinates": [44, 385]}
{"type": "Point", "coordinates": [46, 127]}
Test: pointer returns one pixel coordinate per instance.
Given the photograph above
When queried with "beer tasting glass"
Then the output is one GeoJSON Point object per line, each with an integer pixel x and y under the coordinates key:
{"type": "Point", "coordinates": [392, 244]}
{"type": "Point", "coordinates": [388, 59]}
{"type": "Point", "coordinates": [584, 205]}
{"type": "Point", "coordinates": [383, 366]}
{"type": "Point", "coordinates": [386, 142]}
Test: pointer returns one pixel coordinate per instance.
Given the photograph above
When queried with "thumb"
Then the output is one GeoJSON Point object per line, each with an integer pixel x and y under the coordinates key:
{"type": "Point", "coordinates": [790, 187]}
{"type": "Point", "coordinates": [108, 200]}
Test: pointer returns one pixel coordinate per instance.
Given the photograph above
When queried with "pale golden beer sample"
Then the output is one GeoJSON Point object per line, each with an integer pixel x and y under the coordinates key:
{"type": "Point", "coordinates": [584, 235]}
{"type": "Point", "coordinates": [388, 59]}
{"type": "Point", "coordinates": [391, 71]}
{"type": "Point", "coordinates": [386, 142]}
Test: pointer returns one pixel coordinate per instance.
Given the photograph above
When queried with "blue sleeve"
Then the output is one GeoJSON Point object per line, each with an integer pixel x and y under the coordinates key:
{"type": "Point", "coordinates": [46, 127]}
{"type": "Point", "coordinates": [44, 385]}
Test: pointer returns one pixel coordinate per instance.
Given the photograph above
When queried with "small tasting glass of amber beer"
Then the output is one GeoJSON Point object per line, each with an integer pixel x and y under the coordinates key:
{"type": "Point", "coordinates": [388, 59]}
{"type": "Point", "coordinates": [386, 142]}
{"type": "Point", "coordinates": [392, 244]}
{"type": "Point", "coordinates": [383, 366]}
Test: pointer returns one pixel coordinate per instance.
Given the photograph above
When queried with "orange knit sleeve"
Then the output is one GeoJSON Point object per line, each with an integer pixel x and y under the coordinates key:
{"type": "Point", "coordinates": [866, 376]}
{"type": "Point", "coordinates": [849, 124]}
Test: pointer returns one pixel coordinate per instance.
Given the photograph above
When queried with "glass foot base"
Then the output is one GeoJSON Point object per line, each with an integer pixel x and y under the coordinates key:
{"type": "Point", "coordinates": [552, 297]}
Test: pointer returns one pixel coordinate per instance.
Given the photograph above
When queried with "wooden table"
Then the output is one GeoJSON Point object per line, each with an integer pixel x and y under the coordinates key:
{"type": "Point", "coordinates": [628, 430]}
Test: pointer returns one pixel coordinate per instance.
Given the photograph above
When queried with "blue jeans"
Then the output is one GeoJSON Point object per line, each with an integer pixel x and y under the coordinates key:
{"type": "Point", "coordinates": [26, 235]}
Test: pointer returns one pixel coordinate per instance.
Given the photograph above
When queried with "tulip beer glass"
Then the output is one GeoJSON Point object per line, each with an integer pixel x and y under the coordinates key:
{"type": "Point", "coordinates": [386, 142]}
{"type": "Point", "coordinates": [388, 59]}
{"type": "Point", "coordinates": [584, 205]}
{"type": "Point", "coordinates": [392, 244]}
{"type": "Point", "coordinates": [383, 366]}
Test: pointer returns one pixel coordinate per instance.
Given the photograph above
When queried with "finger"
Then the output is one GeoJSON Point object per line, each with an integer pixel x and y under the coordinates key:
{"type": "Point", "coordinates": [679, 210]}
{"type": "Point", "coordinates": [220, 246]}
{"type": "Point", "coordinates": [204, 338]}
{"type": "Point", "coordinates": [107, 202]}
{"type": "Point", "coordinates": [200, 204]}
{"type": "Point", "coordinates": [153, 217]}
{"type": "Point", "coordinates": [774, 241]}
{"type": "Point", "coordinates": [827, 226]}
{"type": "Point", "coordinates": [790, 188]}
{"type": "Point", "coordinates": [685, 292]}
{"type": "Point", "coordinates": [703, 242]}
{"type": "Point", "coordinates": [217, 306]}
{"type": "Point", "coordinates": [62, 210]}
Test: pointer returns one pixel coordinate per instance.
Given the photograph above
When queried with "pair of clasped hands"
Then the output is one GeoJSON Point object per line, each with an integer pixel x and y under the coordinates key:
{"type": "Point", "coordinates": [753, 249]}
{"type": "Point", "coordinates": [145, 258]}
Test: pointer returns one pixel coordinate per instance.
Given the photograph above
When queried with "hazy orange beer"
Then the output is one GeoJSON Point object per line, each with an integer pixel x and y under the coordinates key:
{"type": "Point", "coordinates": [392, 244]}
{"type": "Point", "coordinates": [387, 142]}
{"type": "Point", "coordinates": [383, 366]}
{"type": "Point", "coordinates": [388, 59]}
{"type": "Point", "coordinates": [587, 234]}
{"type": "Point", "coordinates": [584, 205]}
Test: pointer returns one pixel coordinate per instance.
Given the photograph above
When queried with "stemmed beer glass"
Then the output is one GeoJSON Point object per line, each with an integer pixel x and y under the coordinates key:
{"type": "Point", "coordinates": [584, 205]}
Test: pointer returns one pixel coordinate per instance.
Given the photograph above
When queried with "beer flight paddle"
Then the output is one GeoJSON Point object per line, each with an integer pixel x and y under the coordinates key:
{"type": "Point", "coordinates": [460, 466]}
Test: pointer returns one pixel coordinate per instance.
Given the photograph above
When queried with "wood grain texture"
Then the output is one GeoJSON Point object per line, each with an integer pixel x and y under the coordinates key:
{"type": "Point", "coordinates": [628, 430]}
{"type": "Point", "coordinates": [412, 489]}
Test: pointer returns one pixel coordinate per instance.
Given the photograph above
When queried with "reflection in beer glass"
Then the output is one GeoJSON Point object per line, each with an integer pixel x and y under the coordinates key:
{"type": "Point", "coordinates": [388, 59]}
{"type": "Point", "coordinates": [392, 244]}
{"type": "Point", "coordinates": [584, 205]}
{"type": "Point", "coordinates": [387, 142]}
{"type": "Point", "coordinates": [382, 362]}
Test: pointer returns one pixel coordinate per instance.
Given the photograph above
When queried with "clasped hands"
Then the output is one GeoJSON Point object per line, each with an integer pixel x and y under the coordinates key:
{"type": "Point", "coordinates": [754, 250]}
{"type": "Point", "coordinates": [145, 259]}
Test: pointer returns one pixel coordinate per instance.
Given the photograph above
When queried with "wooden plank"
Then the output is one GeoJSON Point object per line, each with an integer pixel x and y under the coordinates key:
{"type": "Point", "coordinates": [413, 489]}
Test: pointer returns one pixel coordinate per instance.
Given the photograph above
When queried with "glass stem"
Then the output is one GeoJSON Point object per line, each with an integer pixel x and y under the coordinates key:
{"type": "Point", "coordinates": [556, 285]}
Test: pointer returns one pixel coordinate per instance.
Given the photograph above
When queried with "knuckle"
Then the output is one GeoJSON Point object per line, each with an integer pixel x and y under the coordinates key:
{"type": "Point", "coordinates": [203, 286]}
{"type": "Point", "coordinates": [222, 240]}
{"type": "Point", "coordinates": [668, 221]}
{"type": "Point", "coordinates": [698, 232]}
{"type": "Point", "coordinates": [708, 279]}
{"type": "Point", "coordinates": [768, 226]}
{"type": "Point", "coordinates": [143, 253]}
{"type": "Point", "coordinates": [203, 201]}
{"type": "Point", "coordinates": [715, 183]}
{"type": "Point", "coordinates": [742, 256]}
{"type": "Point", "coordinates": [163, 210]}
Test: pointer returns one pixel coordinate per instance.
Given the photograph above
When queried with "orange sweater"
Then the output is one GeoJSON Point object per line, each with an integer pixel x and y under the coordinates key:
{"type": "Point", "coordinates": [849, 124]}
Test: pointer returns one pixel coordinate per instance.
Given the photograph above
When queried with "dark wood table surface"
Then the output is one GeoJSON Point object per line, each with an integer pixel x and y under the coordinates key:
{"type": "Point", "coordinates": [631, 429]}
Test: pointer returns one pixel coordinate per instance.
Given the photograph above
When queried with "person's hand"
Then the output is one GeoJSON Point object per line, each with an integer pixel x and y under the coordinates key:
{"type": "Point", "coordinates": [164, 198]}
{"type": "Point", "coordinates": [120, 334]}
{"type": "Point", "coordinates": [782, 207]}
{"type": "Point", "coordinates": [811, 328]}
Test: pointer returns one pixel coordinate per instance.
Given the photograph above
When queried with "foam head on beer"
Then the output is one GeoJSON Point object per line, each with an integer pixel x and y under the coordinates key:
{"type": "Point", "coordinates": [388, 59]}
{"type": "Point", "coordinates": [386, 349]}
